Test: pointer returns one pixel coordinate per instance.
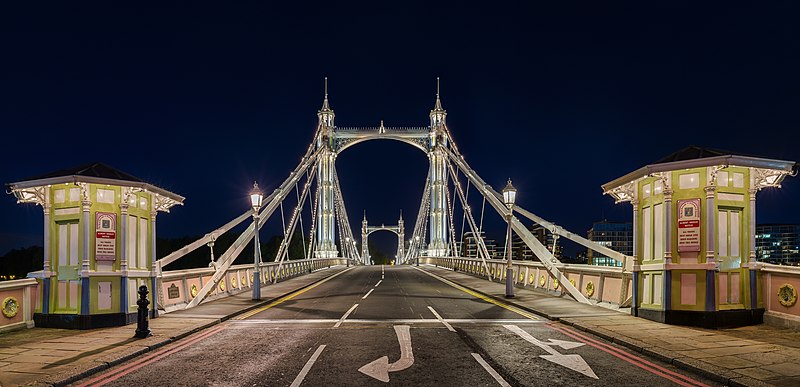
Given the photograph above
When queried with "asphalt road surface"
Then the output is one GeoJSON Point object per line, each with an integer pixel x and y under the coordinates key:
{"type": "Point", "coordinates": [377, 326]}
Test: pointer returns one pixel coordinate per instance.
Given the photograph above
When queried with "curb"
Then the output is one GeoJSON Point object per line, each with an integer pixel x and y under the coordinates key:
{"type": "Point", "coordinates": [704, 369]}
{"type": "Point", "coordinates": [106, 365]}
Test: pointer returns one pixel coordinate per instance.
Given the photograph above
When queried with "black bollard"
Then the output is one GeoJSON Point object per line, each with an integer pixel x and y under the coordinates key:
{"type": "Point", "coordinates": [142, 324]}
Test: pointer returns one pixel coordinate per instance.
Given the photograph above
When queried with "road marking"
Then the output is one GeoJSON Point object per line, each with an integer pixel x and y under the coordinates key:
{"type": "Point", "coordinates": [388, 321]}
{"type": "Point", "coordinates": [379, 282]}
{"type": "Point", "coordinates": [490, 370]}
{"type": "Point", "coordinates": [380, 368]}
{"type": "Point", "coordinates": [449, 327]}
{"type": "Point", "coordinates": [341, 320]}
{"type": "Point", "coordinates": [307, 367]}
{"type": "Point", "coordinates": [109, 377]}
{"type": "Point", "coordinates": [286, 298]}
{"type": "Point", "coordinates": [573, 362]}
{"type": "Point", "coordinates": [632, 359]}
{"type": "Point", "coordinates": [367, 295]}
{"type": "Point", "coordinates": [483, 297]}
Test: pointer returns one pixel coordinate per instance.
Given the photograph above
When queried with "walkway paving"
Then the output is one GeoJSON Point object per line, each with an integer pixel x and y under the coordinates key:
{"type": "Point", "coordinates": [47, 356]}
{"type": "Point", "coordinates": [752, 356]}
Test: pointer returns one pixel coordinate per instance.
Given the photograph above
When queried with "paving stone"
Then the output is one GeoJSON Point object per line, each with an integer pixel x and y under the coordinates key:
{"type": "Point", "coordinates": [758, 373]}
{"type": "Point", "coordinates": [763, 358]}
{"type": "Point", "coordinates": [786, 369]}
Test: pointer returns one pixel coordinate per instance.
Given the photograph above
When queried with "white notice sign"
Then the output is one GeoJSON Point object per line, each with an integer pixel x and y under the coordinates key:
{"type": "Point", "coordinates": [105, 237]}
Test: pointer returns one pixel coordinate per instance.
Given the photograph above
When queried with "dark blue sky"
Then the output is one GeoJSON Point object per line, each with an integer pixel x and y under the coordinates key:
{"type": "Point", "coordinates": [562, 97]}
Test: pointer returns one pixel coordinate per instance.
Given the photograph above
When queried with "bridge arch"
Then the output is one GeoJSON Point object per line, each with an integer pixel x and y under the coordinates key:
{"type": "Point", "coordinates": [366, 230]}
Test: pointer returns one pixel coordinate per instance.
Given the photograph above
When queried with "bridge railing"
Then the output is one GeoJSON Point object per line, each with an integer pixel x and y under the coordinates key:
{"type": "Point", "coordinates": [597, 283]}
{"type": "Point", "coordinates": [778, 281]}
{"type": "Point", "coordinates": [18, 298]}
{"type": "Point", "coordinates": [176, 288]}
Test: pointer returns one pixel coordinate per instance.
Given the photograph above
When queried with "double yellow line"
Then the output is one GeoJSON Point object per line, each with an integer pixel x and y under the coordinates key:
{"type": "Point", "coordinates": [286, 297]}
{"type": "Point", "coordinates": [484, 297]}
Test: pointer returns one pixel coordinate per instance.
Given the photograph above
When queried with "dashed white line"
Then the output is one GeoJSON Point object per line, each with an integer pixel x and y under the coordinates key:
{"type": "Point", "coordinates": [379, 282]}
{"type": "Point", "coordinates": [449, 327]}
{"type": "Point", "coordinates": [490, 370]}
{"type": "Point", "coordinates": [367, 295]}
{"type": "Point", "coordinates": [307, 367]}
{"type": "Point", "coordinates": [345, 315]}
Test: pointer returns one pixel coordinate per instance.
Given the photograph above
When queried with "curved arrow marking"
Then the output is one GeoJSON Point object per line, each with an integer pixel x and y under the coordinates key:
{"type": "Point", "coordinates": [573, 362]}
{"type": "Point", "coordinates": [380, 368]}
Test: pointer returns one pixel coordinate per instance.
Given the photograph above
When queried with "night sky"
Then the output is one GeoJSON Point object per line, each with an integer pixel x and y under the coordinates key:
{"type": "Point", "coordinates": [561, 97]}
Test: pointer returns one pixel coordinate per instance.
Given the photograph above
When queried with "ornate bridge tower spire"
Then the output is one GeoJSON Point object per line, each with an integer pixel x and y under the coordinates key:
{"type": "Point", "coordinates": [326, 215]}
{"type": "Point", "coordinates": [438, 246]}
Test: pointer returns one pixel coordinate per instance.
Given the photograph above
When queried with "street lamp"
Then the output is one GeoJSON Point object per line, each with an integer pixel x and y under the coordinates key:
{"type": "Point", "coordinates": [347, 246]}
{"type": "Point", "coordinates": [509, 196]}
{"type": "Point", "coordinates": [256, 197]}
{"type": "Point", "coordinates": [417, 249]}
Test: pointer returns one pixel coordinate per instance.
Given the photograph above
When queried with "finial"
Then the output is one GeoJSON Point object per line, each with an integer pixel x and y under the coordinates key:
{"type": "Point", "coordinates": [326, 87]}
{"type": "Point", "coordinates": [437, 87]}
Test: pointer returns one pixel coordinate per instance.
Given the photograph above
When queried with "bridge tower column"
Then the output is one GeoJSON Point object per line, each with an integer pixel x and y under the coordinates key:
{"type": "Point", "coordinates": [326, 216]}
{"type": "Point", "coordinates": [365, 240]}
{"type": "Point", "coordinates": [439, 222]}
{"type": "Point", "coordinates": [400, 238]}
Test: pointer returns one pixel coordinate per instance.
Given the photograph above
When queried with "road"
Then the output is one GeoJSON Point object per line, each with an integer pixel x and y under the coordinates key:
{"type": "Point", "coordinates": [379, 325]}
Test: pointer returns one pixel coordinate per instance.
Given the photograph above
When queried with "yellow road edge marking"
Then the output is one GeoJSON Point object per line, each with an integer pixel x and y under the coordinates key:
{"type": "Point", "coordinates": [286, 297]}
{"type": "Point", "coordinates": [483, 297]}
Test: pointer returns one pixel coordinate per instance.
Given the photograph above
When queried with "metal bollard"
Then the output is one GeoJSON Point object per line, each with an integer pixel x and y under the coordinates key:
{"type": "Point", "coordinates": [142, 324]}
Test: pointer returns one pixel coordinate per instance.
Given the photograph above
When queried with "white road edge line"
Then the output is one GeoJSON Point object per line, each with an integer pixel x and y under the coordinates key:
{"type": "Point", "coordinates": [449, 327]}
{"type": "Point", "coordinates": [307, 367]}
{"type": "Point", "coordinates": [367, 295]}
{"type": "Point", "coordinates": [341, 320]}
{"type": "Point", "coordinates": [379, 282]}
{"type": "Point", "coordinates": [490, 370]}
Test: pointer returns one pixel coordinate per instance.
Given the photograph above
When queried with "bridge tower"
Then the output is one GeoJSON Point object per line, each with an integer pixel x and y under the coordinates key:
{"type": "Point", "coordinates": [401, 252]}
{"type": "Point", "coordinates": [364, 236]}
{"type": "Point", "coordinates": [326, 216]}
{"type": "Point", "coordinates": [438, 246]}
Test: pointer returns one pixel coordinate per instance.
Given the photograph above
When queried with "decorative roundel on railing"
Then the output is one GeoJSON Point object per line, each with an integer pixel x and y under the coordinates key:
{"type": "Point", "coordinates": [193, 291]}
{"type": "Point", "coordinates": [572, 281]}
{"type": "Point", "coordinates": [221, 285]}
{"type": "Point", "coordinates": [10, 307]}
{"type": "Point", "coordinates": [589, 289]}
{"type": "Point", "coordinates": [555, 283]}
{"type": "Point", "coordinates": [521, 277]}
{"type": "Point", "coordinates": [787, 295]}
{"type": "Point", "coordinates": [542, 281]}
{"type": "Point", "coordinates": [244, 281]}
{"type": "Point", "coordinates": [532, 278]}
{"type": "Point", "coordinates": [233, 282]}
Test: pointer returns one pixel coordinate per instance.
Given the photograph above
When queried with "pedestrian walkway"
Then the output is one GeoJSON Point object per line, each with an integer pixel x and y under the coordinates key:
{"type": "Point", "coordinates": [752, 356]}
{"type": "Point", "coordinates": [48, 356]}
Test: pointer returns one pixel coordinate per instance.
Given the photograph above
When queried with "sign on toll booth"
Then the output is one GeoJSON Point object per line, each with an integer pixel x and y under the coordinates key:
{"type": "Point", "coordinates": [689, 225]}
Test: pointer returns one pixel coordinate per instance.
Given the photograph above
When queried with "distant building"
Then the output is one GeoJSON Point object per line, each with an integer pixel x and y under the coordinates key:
{"type": "Point", "coordinates": [614, 235]}
{"type": "Point", "coordinates": [521, 251]}
{"type": "Point", "coordinates": [469, 245]}
{"type": "Point", "coordinates": [778, 243]}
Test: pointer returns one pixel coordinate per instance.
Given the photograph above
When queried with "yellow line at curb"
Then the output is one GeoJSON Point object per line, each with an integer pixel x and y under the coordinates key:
{"type": "Point", "coordinates": [483, 297]}
{"type": "Point", "coordinates": [285, 298]}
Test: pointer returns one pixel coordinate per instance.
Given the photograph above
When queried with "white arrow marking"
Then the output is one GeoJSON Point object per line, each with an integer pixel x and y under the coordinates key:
{"type": "Point", "coordinates": [573, 362]}
{"type": "Point", "coordinates": [380, 368]}
{"type": "Point", "coordinates": [565, 344]}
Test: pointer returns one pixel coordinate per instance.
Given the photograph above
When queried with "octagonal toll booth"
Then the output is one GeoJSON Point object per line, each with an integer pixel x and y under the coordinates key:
{"type": "Point", "coordinates": [99, 244]}
{"type": "Point", "coordinates": [694, 219]}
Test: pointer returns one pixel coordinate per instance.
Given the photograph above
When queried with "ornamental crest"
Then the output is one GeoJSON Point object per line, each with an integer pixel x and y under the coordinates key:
{"type": "Point", "coordinates": [787, 295]}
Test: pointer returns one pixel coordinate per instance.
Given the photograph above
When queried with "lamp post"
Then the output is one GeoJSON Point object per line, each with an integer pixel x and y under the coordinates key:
{"type": "Point", "coordinates": [347, 247]}
{"type": "Point", "coordinates": [417, 249]}
{"type": "Point", "coordinates": [509, 196]}
{"type": "Point", "coordinates": [255, 200]}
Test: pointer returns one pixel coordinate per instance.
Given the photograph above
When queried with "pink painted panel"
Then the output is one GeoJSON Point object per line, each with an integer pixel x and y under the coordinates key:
{"type": "Point", "coordinates": [771, 294]}
{"type": "Point", "coordinates": [734, 288]}
{"type": "Point", "coordinates": [688, 289]}
{"type": "Point", "coordinates": [18, 294]}
{"type": "Point", "coordinates": [611, 289]}
{"type": "Point", "coordinates": [165, 291]}
{"type": "Point", "coordinates": [723, 288]}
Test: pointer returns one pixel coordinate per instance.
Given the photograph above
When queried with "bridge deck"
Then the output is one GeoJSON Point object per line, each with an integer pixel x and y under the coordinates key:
{"type": "Point", "coordinates": [320, 335]}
